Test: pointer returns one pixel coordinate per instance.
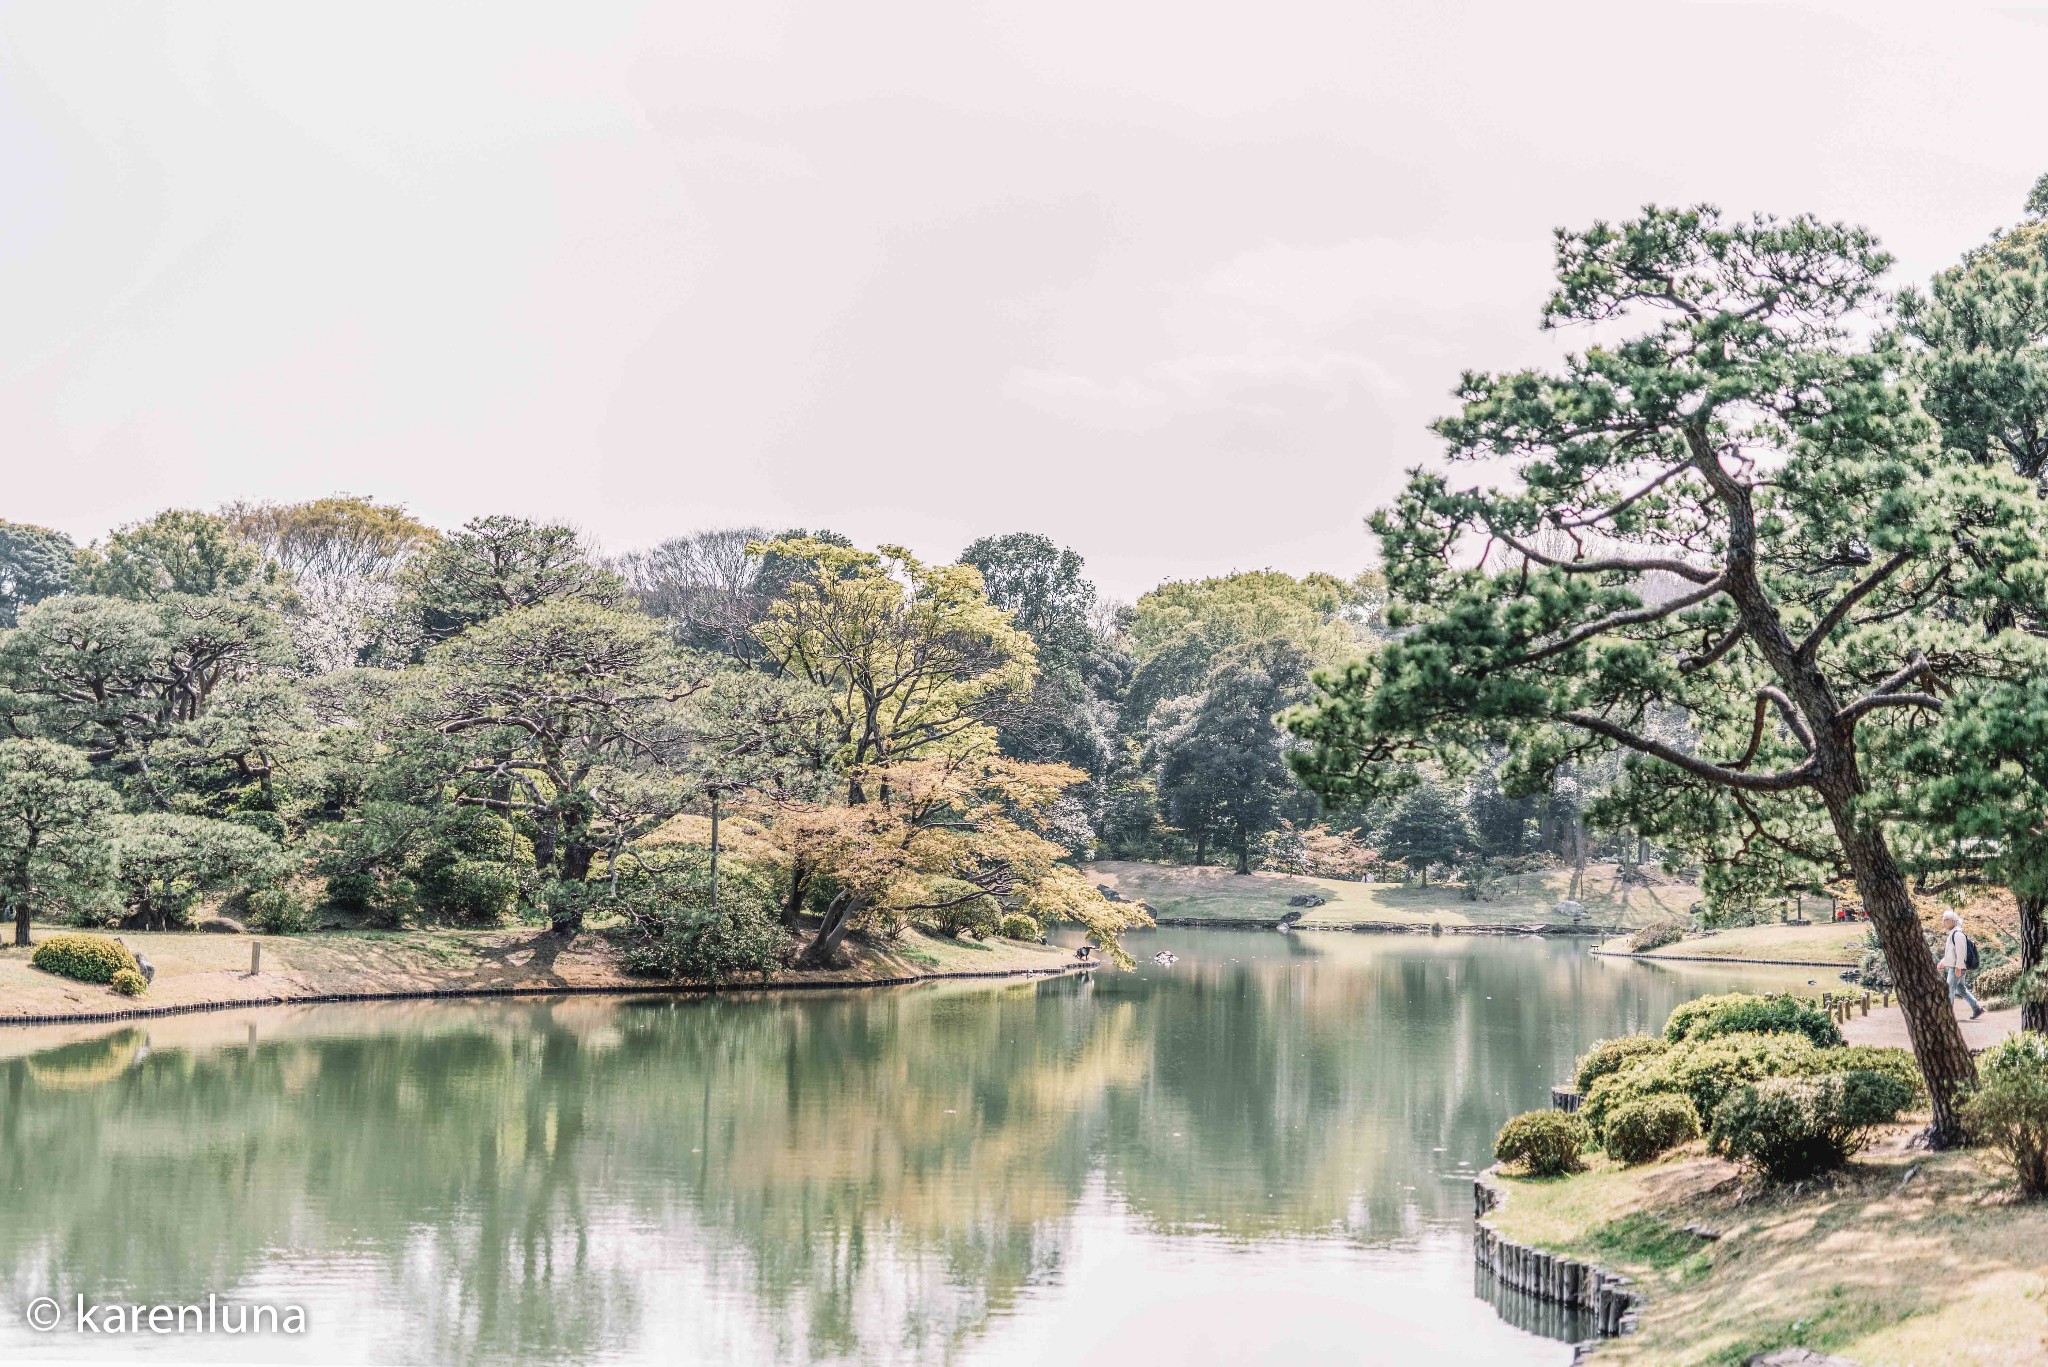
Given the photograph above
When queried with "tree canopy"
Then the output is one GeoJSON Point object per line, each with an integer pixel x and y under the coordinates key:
{"type": "Point", "coordinates": [1767, 538]}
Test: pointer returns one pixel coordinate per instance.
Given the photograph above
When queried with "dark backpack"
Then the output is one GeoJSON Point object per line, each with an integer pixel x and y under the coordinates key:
{"type": "Point", "coordinates": [1969, 954]}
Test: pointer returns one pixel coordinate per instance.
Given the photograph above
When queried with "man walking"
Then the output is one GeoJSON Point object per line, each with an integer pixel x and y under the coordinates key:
{"type": "Point", "coordinates": [1955, 961]}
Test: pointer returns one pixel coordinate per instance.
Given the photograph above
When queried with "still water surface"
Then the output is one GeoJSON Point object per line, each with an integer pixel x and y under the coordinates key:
{"type": "Point", "coordinates": [1260, 1153]}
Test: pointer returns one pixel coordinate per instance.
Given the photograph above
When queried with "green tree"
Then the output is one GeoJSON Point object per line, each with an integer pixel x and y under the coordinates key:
{"type": "Point", "coordinates": [51, 816]}
{"type": "Point", "coordinates": [176, 552]}
{"type": "Point", "coordinates": [1427, 828]}
{"type": "Point", "coordinates": [1767, 539]}
{"type": "Point", "coordinates": [342, 556]}
{"type": "Point", "coordinates": [1062, 718]}
{"type": "Point", "coordinates": [565, 718]}
{"type": "Point", "coordinates": [495, 565]}
{"type": "Point", "coordinates": [35, 563]}
{"type": "Point", "coordinates": [1223, 756]}
{"type": "Point", "coordinates": [169, 861]}
{"type": "Point", "coordinates": [911, 659]}
{"type": "Point", "coordinates": [1982, 328]}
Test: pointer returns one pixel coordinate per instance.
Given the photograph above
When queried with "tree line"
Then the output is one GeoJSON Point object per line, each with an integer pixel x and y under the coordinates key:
{"type": "Point", "coordinates": [736, 749]}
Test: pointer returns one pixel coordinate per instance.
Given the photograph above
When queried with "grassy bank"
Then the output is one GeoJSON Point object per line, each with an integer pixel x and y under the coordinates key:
{"type": "Point", "coordinates": [1215, 893]}
{"type": "Point", "coordinates": [1905, 1257]}
{"type": "Point", "coordinates": [1824, 943]}
{"type": "Point", "coordinates": [194, 969]}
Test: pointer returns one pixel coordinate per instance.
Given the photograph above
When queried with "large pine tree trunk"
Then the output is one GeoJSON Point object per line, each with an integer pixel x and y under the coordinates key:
{"type": "Point", "coordinates": [21, 922]}
{"type": "Point", "coordinates": [2033, 943]}
{"type": "Point", "coordinates": [1931, 1024]}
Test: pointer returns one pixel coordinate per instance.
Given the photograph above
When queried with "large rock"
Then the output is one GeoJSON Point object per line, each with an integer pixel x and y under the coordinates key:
{"type": "Point", "coordinates": [1570, 910]}
{"type": "Point", "coordinates": [1305, 899]}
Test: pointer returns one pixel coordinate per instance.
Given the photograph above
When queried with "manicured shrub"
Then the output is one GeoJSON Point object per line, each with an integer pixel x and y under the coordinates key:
{"type": "Point", "coordinates": [2009, 1108]}
{"type": "Point", "coordinates": [276, 911]}
{"type": "Point", "coordinates": [85, 958]}
{"type": "Point", "coordinates": [1794, 1127]}
{"type": "Point", "coordinates": [1741, 1013]}
{"type": "Point", "coordinates": [129, 983]}
{"type": "Point", "coordinates": [1874, 1058]}
{"type": "Point", "coordinates": [1701, 1071]}
{"type": "Point", "coordinates": [1874, 972]}
{"type": "Point", "coordinates": [669, 929]}
{"type": "Point", "coordinates": [1018, 926]}
{"type": "Point", "coordinates": [1665, 930]}
{"type": "Point", "coordinates": [1544, 1143]}
{"type": "Point", "coordinates": [1640, 1130]}
{"type": "Point", "coordinates": [1611, 1056]}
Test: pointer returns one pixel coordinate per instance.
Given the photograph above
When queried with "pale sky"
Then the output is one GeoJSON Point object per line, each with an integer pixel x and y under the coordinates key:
{"type": "Point", "coordinates": [1177, 284]}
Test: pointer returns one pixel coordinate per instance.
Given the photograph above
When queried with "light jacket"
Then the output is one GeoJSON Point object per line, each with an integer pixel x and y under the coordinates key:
{"type": "Point", "coordinates": [1954, 956]}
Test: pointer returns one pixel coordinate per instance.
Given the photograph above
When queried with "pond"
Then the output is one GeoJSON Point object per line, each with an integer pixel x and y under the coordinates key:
{"type": "Point", "coordinates": [1262, 1152]}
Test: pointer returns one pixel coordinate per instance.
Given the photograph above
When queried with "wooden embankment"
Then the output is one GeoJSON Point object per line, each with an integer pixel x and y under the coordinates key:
{"type": "Point", "coordinates": [1609, 1297]}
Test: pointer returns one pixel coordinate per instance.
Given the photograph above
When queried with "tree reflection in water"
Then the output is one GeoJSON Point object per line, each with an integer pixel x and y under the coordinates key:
{"type": "Point", "coordinates": [870, 1175]}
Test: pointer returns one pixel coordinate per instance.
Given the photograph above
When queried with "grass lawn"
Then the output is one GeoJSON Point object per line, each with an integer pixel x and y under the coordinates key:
{"type": "Point", "coordinates": [1945, 1268]}
{"type": "Point", "coordinates": [1824, 943]}
{"type": "Point", "coordinates": [194, 968]}
{"type": "Point", "coordinates": [1215, 893]}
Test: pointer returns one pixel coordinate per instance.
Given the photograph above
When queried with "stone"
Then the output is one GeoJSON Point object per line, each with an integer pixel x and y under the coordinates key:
{"type": "Point", "coordinates": [1797, 1357]}
{"type": "Point", "coordinates": [1305, 899]}
{"type": "Point", "coordinates": [1570, 910]}
{"type": "Point", "coordinates": [223, 925]}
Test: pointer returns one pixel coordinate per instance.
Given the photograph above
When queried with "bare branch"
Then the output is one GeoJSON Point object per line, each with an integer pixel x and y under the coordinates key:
{"type": "Point", "coordinates": [1756, 736]}
{"type": "Point", "coordinates": [1791, 714]}
{"type": "Point", "coordinates": [1633, 617]}
{"type": "Point", "coordinates": [1835, 614]}
{"type": "Point", "coordinates": [1644, 565]}
{"type": "Point", "coordinates": [1609, 514]}
{"type": "Point", "coordinates": [1799, 777]}
{"type": "Point", "coordinates": [1692, 663]}
{"type": "Point", "coordinates": [1872, 701]}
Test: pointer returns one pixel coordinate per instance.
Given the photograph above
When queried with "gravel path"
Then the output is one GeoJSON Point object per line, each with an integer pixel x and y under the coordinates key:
{"type": "Point", "coordinates": [1887, 1025]}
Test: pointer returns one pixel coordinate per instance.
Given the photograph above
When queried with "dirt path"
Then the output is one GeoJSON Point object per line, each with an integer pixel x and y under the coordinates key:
{"type": "Point", "coordinates": [1887, 1025]}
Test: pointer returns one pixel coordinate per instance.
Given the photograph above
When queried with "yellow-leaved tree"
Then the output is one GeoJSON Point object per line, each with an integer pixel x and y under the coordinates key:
{"type": "Point", "coordinates": [930, 822]}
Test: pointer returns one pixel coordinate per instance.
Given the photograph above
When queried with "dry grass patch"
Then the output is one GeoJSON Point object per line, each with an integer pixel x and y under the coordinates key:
{"type": "Point", "coordinates": [1942, 1267]}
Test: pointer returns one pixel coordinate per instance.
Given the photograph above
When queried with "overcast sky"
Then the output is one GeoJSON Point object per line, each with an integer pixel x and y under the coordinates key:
{"type": "Point", "coordinates": [1176, 283]}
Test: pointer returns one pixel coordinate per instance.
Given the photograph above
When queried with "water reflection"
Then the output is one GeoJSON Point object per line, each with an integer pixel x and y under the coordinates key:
{"type": "Point", "coordinates": [927, 1175]}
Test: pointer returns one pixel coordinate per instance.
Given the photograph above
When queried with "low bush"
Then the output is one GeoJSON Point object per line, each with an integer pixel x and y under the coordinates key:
{"type": "Point", "coordinates": [1743, 1013]}
{"type": "Point", "coordinates": [1665, 930]}
{"type": "Point", "coordinates": [2008, 1111]}
{"type": "Point", "coordinates": [276, 911]}
{"type": "Point", "coordinates": [1544, 1143]}
{"type": "Point", "coordinates": [84, 958]}
{"type": "Point", "coordinates": [1018, 926]}
{"type": "Point", "coordinates": [1788, 1128]}
{"type": "Point", "coordinates": [1640, 1130]}
{"type": "Point", "coordinates": [1701, 1071]}
{"type": "Point", "coordinates": [1611, 1056]}
{"type": "Point", "coordinates": [129, 983]}
{"type": "Point", "coordinates": [670, 929]}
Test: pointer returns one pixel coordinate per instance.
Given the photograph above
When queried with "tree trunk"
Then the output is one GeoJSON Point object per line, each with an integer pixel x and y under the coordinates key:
{"type": "Point", "coordinates": [1931, 1024]}
{"type": "Point", "coordinates": [1201, 848]}
{"type": "Point", "coordinates": [1244, 853]}
{"type": "Point", "coordinates": [21, 922]}
{"type": "Point", "coordinates": [793, 901]}
{"type": "Point", "coordinates": [2033, 941]}
{"type": "Point", "coordinates": [823, 952]}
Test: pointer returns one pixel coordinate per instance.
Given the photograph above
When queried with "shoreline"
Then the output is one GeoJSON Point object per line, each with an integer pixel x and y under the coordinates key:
{"type": "Point", "coordinates": [1838, 966]}
{"type": "Point", "coordinates": [200, 973]}
{"type": "Point", "coordinates": [646, 989]}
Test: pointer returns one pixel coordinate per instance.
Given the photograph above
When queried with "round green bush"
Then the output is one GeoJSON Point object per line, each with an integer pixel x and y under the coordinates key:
{"type": "Point", "coordinates": [129, 983]}
{"type": "Point", "coordinates": [1701, 1070]}
{"type": "Point", "coordinates": [85, 958]}
{"type": "Point", "coordinates": [1640, 1130]}
{"type": "Point", "coordinates": [2008, 1111]}
{"type": "Point", "coordinates": [1743, 1013]}
{"type": "Point", "coordinates": [1789, 1128]}
{"type": "Point", "coordinates": [1611, 1056]}
{"type": "Point", "coordinates": [1544, 1143]}
{"type": "Point", "coordinates": [1018, 926]}
{"type": "Point", "coordinates": [275, 911]}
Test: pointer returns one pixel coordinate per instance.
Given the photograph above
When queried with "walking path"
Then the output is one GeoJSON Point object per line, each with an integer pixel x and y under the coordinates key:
{"type": "Point", "coordinates": [1887, 1025]}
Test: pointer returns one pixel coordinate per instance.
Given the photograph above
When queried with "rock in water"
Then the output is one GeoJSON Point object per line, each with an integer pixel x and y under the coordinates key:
{"type": "Point", "coordinates": [1164, 956]}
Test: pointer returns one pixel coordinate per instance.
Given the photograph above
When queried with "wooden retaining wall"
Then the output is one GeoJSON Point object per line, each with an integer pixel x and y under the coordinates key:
{"type": "Point", "coordinates": [1608, 1296]}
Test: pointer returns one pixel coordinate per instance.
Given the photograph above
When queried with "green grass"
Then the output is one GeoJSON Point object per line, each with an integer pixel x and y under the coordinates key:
{"type": "Point", "coordinates": [1215, 893]}
{"type": "Point", "coordinates": [1827, 943]}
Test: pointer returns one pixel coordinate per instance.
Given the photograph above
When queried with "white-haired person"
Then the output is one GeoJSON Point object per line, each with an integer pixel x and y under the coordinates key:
{"type": "Point", "coordinates": [1955, 961]}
